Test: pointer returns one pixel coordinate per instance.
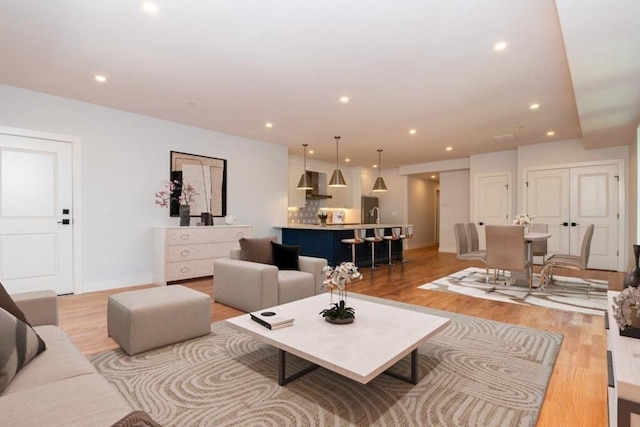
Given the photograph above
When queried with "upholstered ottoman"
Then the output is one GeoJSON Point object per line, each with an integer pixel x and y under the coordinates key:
{"type": "Point", "coordinates": [150, 318]}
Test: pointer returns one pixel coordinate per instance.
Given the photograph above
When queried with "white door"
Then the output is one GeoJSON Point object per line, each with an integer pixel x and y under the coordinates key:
{"type": "Point", "coordinates": [568, 200]}
{"type": "Point", "coordinates": [492, 202]}
{"type": "Point", "coordinates": [36, 233]}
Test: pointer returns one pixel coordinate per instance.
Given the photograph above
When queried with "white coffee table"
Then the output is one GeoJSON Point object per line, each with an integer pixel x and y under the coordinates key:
{"type": "Point", "coordinates": [380, 336]}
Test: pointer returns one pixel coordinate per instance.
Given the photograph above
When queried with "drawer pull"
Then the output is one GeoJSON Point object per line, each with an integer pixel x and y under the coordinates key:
{"type": "Point", "coordinates": [185, 252]}
{"type": "Point", "coordinates": [184, 237]}
{"type": "Point", "coordinates": [184, 269]}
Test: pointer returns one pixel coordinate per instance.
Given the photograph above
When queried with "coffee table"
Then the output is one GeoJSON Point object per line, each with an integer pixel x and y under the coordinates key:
{"type": "Point", "coordinates": [381, 336]}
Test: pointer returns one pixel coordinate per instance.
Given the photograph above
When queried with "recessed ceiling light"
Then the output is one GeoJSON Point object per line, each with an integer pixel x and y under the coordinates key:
{"type": "Point", "coordinates": [433, 177]}
{"type": "Point", "coordinates": [150, 7]}
{"type": "Point", "coordinates": [344, 99]}
{"type": "Point", "coordinates": [534, 106]}
{"type": "Point", "coordinates": [449, 148]}
{"type": "Point", "coordinates": [500, 46]}
{"type": "Point", "coordinates": [375, 166]}
{"type": "Point", "coordinates": [412, 131]}
{"type": "Point", "coordinates": [268, 124]}
{"type": "Point", "coordinates": [100, 78]}
{"type": "Point", "coordinates": [347, 160]}
{"type": "Point", "coordinates": [551, 133]}
{"type": "Point", "coordinates": [311, 151]}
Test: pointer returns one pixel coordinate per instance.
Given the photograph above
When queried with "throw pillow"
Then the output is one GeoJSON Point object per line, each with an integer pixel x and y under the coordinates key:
{"type": "Point", "coordinates": [285, 257]}
{"type": "Point", "coordinates": [257, 249]}
{"type": "Point", "coordinates": [136, 419]}
{"type": "Point", "coordinates": [19, 344]}
{"type": "Point", "coordinates": [8, 304]}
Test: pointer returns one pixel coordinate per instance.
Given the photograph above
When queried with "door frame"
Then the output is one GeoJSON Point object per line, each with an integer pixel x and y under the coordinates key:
{"type": "Point", "coordinates": [75, 191]}
{"type": "Point", "coordinates": [623, 224]}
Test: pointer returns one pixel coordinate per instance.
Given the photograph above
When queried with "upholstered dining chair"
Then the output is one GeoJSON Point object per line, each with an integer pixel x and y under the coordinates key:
{"type": "Point", "coordinates": [507, 250]}
{"type": "Point", "coordinates": [539, 247]}
{"type": "Point", "coordinates": [463, 248]}
{"type": "Point", "coordinates": [574, 262]}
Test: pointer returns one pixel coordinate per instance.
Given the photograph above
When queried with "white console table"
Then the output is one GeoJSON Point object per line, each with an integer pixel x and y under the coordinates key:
{"type": "Point", "coordinates": [188, 252]}
{"type": "Point", "coordinates": [623, 357]}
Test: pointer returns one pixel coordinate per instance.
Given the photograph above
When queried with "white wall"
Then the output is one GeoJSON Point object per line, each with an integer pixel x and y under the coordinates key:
{"type": "Point", "coordinates": [125, 157]}
{"type": "Point", "coordinates": [421, 195]}
{"type": "Point", "coordinates": [454, 206]}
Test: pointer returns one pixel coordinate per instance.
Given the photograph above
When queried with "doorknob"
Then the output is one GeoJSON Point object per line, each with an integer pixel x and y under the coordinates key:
{"type": "Point", "coordinates": [64, 222]}
{"type": "Point", "coordinates": [565, 224]}
{"type": "Point", "coordinates": [573, 224]}
{"type": "Point", "coordinates": [481, 223]}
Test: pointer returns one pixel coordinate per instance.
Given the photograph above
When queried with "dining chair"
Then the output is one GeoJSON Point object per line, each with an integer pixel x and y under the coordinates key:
{"type": "Point", "coordinates": [539, 247]}
{"type": "Point", "coordinates": [507, 250]}
{"type": "Point", "coordinates": [463, 248]}
{"type": "Point", "coordinates": [574, 262]}
{"type": "Point", "coordinates": [377, 237]}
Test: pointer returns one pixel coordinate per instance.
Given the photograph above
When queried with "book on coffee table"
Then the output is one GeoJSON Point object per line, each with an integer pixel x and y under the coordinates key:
{"type": "Point", "coordinates": [271, 320]}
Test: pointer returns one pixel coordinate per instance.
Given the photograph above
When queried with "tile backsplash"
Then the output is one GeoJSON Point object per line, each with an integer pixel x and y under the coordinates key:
{"type": "Point", "coordinates": [306, 215]}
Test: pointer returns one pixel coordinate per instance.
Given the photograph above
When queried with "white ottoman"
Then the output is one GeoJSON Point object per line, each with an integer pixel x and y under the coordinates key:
{"type": "Point", "coordinates": [150, 318]}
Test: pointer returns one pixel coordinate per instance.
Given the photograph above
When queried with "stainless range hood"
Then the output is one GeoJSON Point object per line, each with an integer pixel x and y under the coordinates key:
{"type": "Point", "coordinates": [319, 184]}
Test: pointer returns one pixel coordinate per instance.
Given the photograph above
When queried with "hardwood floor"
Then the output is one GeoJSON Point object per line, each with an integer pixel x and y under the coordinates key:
{"type": "Point", "coordinates": [577, 393]}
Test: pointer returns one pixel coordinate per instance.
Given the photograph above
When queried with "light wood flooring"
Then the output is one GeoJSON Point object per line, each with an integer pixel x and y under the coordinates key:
{"type": "Point", "coordinates": [577, 393]}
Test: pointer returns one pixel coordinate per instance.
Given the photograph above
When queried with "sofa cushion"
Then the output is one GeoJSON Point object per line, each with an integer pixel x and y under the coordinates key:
{"type": "Point", "coordinates": [285, 257]}
{"type": "Point", "coordinates": [61, 360]}
{"type": "Point", "coordinates": [257, 249]}
{"type": "Point", "coordinates": [19, 344]}
{"type": "Point", "coordinates": [136, 419]}
{"type": "Point", "coordinates": [8, 304]}
{"type": "Point", "coordinates": [85, 400]}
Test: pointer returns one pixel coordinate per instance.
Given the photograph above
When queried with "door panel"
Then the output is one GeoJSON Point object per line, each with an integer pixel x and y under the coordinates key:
{"type": "Point", "coordinates": [492, 205]}
{"type": "Point", "coordinates": [548, 201]}
{"type": "Point", "coordinates": [36, 247]}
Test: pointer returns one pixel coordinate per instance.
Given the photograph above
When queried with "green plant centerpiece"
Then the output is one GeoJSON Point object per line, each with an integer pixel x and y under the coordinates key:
{"type": "Point", "coordinates": [338, 278]}
{"type": "Point", "coordinates": [626, 311]}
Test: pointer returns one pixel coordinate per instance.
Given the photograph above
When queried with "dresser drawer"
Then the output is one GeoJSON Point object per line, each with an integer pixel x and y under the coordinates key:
{"type": "Point", "coordinates": [195, 235]}
{"type": "Point", "coordinates": [188, 269]}
{"type": "Point", "coordinates": [192, 252]}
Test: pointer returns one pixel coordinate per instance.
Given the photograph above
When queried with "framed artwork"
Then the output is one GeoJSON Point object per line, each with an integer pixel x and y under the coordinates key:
{"type": "Point", "coordinates": [208, 175]}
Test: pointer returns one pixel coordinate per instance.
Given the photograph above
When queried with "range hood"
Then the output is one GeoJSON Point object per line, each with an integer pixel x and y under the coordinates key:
{"type": "Point", "coordinates": [319, 184]}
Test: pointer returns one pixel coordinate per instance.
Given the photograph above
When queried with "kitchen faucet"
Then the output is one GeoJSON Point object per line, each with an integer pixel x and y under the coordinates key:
{"type": "Point", "coordinates": [377, 210]}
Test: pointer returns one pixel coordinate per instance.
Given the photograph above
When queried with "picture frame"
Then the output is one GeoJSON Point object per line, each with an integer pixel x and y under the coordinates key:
{"type": "Point", "coordinates": [208, 175]}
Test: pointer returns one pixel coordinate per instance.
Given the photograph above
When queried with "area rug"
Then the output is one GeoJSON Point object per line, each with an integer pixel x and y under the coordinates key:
{"type": "Point", "coordinates": [475, 372]}
{"type": "Point", "coordinates": [567, 293]}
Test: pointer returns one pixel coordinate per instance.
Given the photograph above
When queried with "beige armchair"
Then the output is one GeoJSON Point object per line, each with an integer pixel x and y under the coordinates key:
{"type": "Point", "coordinates": [252, 286]}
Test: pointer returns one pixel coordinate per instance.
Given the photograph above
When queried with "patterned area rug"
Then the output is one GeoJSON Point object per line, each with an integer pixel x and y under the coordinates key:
{"type": "Point", "coordinates": [474, 372]}
{"type": "Point", "coordinates": [567, 293]}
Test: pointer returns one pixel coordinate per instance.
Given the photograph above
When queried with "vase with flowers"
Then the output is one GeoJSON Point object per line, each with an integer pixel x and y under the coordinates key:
{"type": "Point", "coordinates": [187, 195]}
{"type": "Point", "coordinates": [338, 278]}
{"type": "Point", "coordinates": [323, 214]}
{"type": "Point", "coordinates": [523, 220]}
{"type": "Point", "coordinates": [626, 311]}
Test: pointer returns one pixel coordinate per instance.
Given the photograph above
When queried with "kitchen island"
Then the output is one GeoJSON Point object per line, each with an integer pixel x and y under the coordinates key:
{"type": "Point", "coordinates": [326, 242]}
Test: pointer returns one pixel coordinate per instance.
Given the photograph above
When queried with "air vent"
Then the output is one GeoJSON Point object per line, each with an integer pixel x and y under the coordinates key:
{"type": "Point", "coordinates": [505, 139]}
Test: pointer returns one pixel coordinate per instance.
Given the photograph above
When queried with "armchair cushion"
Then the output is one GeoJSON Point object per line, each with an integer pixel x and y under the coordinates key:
{"type": "Point", "coordinates": [257, 249]}
{"type": "Point", "coordinates": [285, 257]}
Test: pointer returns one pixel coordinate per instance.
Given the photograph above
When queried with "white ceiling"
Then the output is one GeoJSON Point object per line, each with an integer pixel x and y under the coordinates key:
{"type": "Point", "coordinates": [232, 66]}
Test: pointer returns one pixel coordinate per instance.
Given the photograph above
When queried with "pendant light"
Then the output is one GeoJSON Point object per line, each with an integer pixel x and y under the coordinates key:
{"type": "Point", "coordinates": [379, 185]}
{"type": "Point", "coordinates": [337, 180]}
{"type": "Point", "coordinates": [305, 180]}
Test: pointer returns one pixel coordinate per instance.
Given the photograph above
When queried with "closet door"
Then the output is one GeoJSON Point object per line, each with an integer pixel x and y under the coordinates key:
{"type": "Point", "coordinates": [568, 200]}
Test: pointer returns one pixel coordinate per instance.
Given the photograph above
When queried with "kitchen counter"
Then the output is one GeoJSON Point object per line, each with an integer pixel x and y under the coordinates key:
{"type": "Point", "coordinates": [326, 242]}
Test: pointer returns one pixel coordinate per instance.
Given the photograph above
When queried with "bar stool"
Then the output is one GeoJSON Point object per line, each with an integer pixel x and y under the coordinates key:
{"type": "Point", "coordinates": [395, 235]}
{"type": "Point", "coordinates": [358, 237]}
{"type": "Point", "coordinates": [408, 233]}
{"type": "Point", "coordinates": [373, 240]}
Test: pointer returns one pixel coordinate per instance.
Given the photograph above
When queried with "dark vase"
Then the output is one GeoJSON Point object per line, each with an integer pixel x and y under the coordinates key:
{"type": "Point", "coordinates": [185, 215]}
{"type": "Point", "coordinates": [632, 279]}
{"type": "Point", "coordinates": [340, 320]}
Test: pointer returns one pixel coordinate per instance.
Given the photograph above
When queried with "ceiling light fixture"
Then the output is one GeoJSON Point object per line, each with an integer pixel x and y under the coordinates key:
{"type": "Point", "coordinates": [500, 46]}
{"type": "Point", "coordinates": [305, 180]}
{"type": "Point", "coordinates": [100, 78]}
{"type": "Point", "coordinates": [534, 106]}
{"type": "Point", "coordinates": [337, 180]}
{"type": "Point", "coordinates": [149, 7]}
{"type": "Point", "coordinates": [379, 185]}
{"type": "Point", "coordinates": [551, 133]}
{"type": "Point", "coordinates": [269, 125]}
{"type": "Point", "coordinates": [412, 132]}
{"type": "Point", "coordinates": [344, 99]}
{"type": "Point", "coordinates": [449, 148]}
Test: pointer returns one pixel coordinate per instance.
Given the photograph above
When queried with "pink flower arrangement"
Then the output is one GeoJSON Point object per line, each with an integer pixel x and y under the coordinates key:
{"type": "Point", "coordinates": [165, 196]}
